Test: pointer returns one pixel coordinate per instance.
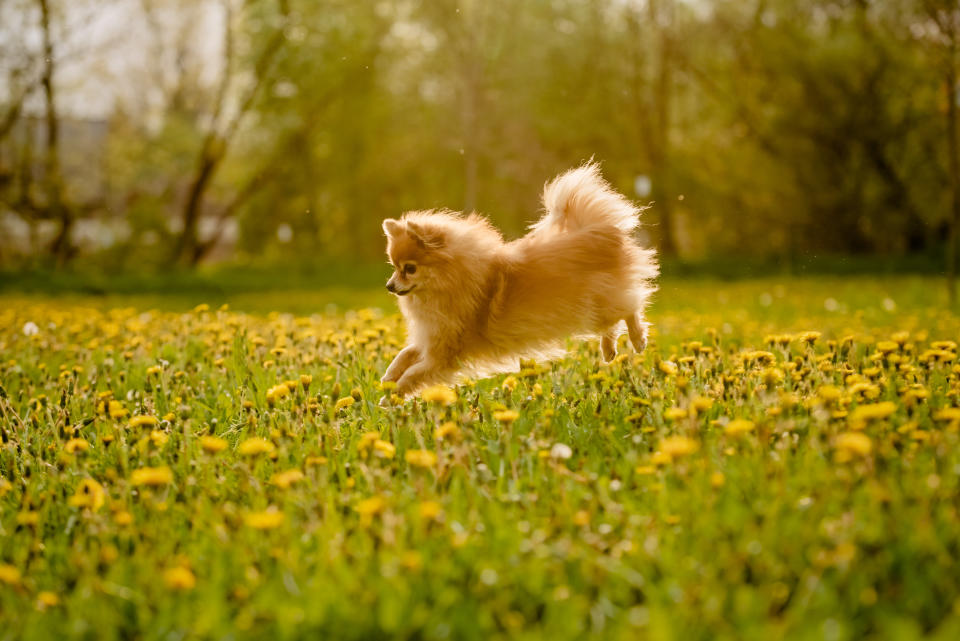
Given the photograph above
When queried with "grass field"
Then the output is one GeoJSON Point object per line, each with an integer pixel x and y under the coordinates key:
{"type": "Point", "coordinates": [781, 462]}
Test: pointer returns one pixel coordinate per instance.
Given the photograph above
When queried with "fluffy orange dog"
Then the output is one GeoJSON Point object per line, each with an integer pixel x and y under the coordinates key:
{"type": "Point", "coordinates": [475, 303]}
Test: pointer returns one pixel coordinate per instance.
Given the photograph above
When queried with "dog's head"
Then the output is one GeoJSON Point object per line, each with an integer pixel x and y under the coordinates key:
{"type": "Point", "coordinates": [415, 249]}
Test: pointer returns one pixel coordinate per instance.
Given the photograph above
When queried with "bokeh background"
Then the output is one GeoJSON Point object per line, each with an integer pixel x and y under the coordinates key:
{"type": "Point", "coordinates": [155, 136]}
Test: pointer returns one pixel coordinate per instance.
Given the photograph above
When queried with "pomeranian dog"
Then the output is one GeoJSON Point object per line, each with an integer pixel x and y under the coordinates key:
{"type": "Point", "coordinates": [475, 304]}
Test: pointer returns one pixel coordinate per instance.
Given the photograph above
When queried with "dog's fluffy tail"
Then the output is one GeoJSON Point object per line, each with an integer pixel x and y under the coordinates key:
{"type": "Point", "coordinates": [581, 198]}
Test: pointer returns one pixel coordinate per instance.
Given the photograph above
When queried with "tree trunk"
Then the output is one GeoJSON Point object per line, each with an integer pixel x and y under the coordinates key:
{"type": "Point", "coordinates": [472, 74]}
{"type": "Point", "coordinates": [60, 250]}
{"type": "Point", "coordinates": [660, 149]}
{"type": "Point", "coordinates": [954, 164]}
{"type": "Point", "coordinates": [187, 244]}
{"type": "Point", "coordinates": [188, 249]}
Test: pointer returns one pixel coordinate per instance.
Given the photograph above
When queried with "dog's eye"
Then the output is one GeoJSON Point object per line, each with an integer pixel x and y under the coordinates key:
{"type": "Point", "coordinates": [409, 269]}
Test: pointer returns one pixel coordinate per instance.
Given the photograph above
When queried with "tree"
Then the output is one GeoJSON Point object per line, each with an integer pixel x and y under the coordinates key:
{"type": "Point", "coordinates": [945, 16]}
{"type": "Point", "coordinates": [224, 125]}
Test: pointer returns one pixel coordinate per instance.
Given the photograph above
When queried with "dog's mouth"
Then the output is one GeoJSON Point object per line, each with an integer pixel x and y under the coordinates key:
{"type": "Point", "coordinates": [404, 292]}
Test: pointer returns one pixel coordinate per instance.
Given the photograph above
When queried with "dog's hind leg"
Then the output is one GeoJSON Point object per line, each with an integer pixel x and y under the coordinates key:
{"type": "Point", "coordinates": [608, 344]}
{"type": "Point", "coordinates": [638, 330]}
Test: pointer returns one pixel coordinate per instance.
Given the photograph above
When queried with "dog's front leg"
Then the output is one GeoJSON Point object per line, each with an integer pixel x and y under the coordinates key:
{"type": "Point", "coordinates": [421, 373]}
{"type": "Point", "coordinates": [401, 362]}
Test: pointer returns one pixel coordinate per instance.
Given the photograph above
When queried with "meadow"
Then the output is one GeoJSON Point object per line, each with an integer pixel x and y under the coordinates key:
{"type": "Point", "coordinates": [782, 462]}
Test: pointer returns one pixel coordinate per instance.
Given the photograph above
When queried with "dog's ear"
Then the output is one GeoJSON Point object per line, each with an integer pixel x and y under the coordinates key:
{"type": "Point", "coordinates": [392, 227]}
{"type": "Point", "coordinates": [429, 237]}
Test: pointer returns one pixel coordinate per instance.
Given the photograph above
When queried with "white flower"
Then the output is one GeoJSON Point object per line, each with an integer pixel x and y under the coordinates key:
{"type": "Point", "coordinates": [30, 328]}
{"type": "Point", "coordinates": [561, 451]}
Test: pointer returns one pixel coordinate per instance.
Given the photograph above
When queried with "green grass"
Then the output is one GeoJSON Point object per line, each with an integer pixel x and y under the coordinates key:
{"type": "Point", "coordinates": [819, 520]}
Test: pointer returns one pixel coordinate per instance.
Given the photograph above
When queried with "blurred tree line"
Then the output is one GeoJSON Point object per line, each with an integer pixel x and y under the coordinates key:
{"type": "Point", "coordinates": [766, 127]}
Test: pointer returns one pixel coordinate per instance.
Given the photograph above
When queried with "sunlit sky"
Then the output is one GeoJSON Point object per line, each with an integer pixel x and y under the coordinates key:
{"type": "Point", "coordinates": [107, 52]}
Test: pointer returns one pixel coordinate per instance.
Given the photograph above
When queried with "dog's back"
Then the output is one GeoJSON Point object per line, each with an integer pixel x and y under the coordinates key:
{"type": "Point", "coordinates": [579, 271]}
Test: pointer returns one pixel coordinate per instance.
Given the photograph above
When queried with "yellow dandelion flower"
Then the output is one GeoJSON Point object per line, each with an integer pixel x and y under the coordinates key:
{"type": "Point", "coordinates": [678, 446]}
{"type": "Point", "coordinates": [367, 439]}
{"type": "Point", "coordinates": [829, 393]}
{"type": "Point", "coordinates": [668, 367]}
{"type": "Point", "coordinates": [448, 430]}
{"type": "Point", "coordinates": [506, 416]}
{"type": "Point", "coordinates": [420, 458]}
{"type": "Point", "coordinates": [277, 393]}
{"type": "Point", "coordinates": [89, 494]}
{"type": "Point", "coordinates": [269, 519]}
{"type": "Point", "coordinates": [9, 574]}
{"type": "Point", "coordinates": [809, 337]}
{"type": "Point", "coordinates": [255, 446]}
{"type": "Point", "coordinates": [287, 478]}
{"type": "Point", "coordinates": [772, 376]}
{"type": "Point", "coordinates": [116, 410]}
{"type": "Point", "coordinates": [701, 403]}
{"type": "Point", "coordinates": [430, 510]}
{"type": "Point", "coordinates": [123, 518]}
{"type": "Point", "coordinates": [212, 444]}
{"type": "Point", "coordinates": [760, 356]}
{"type": "Point", "coordinates": [674, 413]}
{"type": "Point", "coordinates": [384, 449]}
{"type": "Point", "coordinates": [509, 383]}
{"type": "Point", "coordinates": [439, 394]}
{"type": "Point", "coordinates": [738, 426]}
{"type": "Point", "coordinates": [948, 414]}
{"type": "Point", "coordinates": [343, 403]}
{"type": "Point", "coordinates": [660, 458]}
{"type": "Point", "coordinates": [76, 445]}
{"type": "Point", "coordinates": [47, 599]}
{"type": "Point", "coordinates": [371, 506]}
{"type": "Point", "coordinates": [143, 421]}
{"type": "Point", "coordinates": [854, 443]}
{"type": "Point", "coordinates": [872, 412]}
{"type": "Point", "coordinates": [152, 476]}
{"type": "Point", "coordinates": [179, 578]}
{"type": "Point", "coordinates": [887, 347]}
{"type": "Point", "coordinates": [28, 518]}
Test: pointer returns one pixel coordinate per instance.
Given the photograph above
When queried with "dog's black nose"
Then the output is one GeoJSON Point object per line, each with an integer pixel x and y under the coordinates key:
{"type": "Point", "coordinates": [391, 287]}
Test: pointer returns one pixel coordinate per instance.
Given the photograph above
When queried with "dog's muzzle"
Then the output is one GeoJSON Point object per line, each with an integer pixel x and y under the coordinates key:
{"type": "Point", "coordinates": [392, 288]}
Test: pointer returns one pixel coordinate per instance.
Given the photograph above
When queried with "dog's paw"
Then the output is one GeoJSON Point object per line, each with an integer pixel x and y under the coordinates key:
{"type": "Point", "coordinates": [642, 343]}
{"type": "Point", "coordinates": [608, 348]}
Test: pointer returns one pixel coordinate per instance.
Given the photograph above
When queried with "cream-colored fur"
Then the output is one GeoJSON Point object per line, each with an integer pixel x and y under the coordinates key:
{"type": "Point", "coordinates": [475, 303]}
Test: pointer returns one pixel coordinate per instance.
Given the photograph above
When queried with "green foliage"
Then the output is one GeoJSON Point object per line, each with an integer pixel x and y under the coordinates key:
{"type": "Point", "coordinates": [767, 127]}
